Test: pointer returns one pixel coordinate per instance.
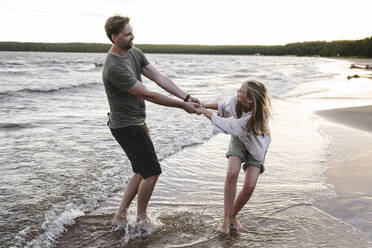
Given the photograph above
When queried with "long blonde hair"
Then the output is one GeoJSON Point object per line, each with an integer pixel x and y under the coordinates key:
{"type": "Point", "coordinates": [261, 108]}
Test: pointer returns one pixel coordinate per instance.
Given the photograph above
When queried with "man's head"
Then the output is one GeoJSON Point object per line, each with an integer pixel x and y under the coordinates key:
{"type": "Point", "coordinates": [119, 31]}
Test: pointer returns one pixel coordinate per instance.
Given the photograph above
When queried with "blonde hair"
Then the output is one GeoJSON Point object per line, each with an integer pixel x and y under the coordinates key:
{"type": "Point", "coordinates": [261, 108]}
{"type": "Point", "coordinates": [115, 24]}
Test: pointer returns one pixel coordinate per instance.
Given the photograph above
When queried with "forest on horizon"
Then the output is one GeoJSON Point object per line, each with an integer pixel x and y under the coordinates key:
{"type": "Point", "coordinates": [343, 48]}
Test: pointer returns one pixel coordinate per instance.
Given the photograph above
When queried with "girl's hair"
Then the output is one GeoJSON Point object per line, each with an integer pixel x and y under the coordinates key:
{"type": "Point", "coordinates": [261, 107]}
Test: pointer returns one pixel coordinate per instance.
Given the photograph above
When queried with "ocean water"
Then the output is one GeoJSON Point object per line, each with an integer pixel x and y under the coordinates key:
{"type": "Point", "coordinates": [63, 174]}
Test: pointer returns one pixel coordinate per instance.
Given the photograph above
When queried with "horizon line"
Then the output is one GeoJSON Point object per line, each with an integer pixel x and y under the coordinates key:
{"type": "Point", "coordinates": [169, 44]}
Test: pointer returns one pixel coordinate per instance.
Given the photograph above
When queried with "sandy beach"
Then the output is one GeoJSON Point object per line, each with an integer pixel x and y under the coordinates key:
{"type": "Point", "coordinates": [345, 111]}
{"type": "Point", "coordinates": [358, 117]}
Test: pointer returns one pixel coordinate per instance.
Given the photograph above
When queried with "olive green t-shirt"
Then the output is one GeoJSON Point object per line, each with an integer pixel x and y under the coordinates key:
{"type": "Point", "coordinates": [120, 74]}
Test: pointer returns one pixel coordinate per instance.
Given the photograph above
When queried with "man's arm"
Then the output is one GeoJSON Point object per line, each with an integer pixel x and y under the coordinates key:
{"type": "Point", "coordinates": [153, 74]}
{"type": "Point", "coordinates": [140, 90]}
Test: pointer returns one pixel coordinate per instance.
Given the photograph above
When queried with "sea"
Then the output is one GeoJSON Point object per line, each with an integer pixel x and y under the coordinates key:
{"type": "Point", "coordinates": [63, 174]}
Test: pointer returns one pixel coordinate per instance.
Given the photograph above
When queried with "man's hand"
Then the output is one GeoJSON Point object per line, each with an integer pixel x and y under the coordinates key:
{"type": "Point", "coordinates": [191, 107]}
{"type": "Point", "coordinates": [193, 99]}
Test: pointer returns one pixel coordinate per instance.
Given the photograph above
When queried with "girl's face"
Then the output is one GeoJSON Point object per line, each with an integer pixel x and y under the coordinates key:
{"type": "Point", "coordinates": [242, 96]}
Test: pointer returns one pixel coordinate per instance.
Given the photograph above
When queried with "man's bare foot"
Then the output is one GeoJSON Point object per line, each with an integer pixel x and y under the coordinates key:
{"type": "Point", "coordinates": [236, 224]}
{"type": "Point", "coordinates": [225, 228]}
{"type": "Point", "coordinates": [119, 219]}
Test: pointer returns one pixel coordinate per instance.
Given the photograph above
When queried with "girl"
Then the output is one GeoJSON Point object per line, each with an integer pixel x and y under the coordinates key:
{"type": "Point", "coordinates": [250, 139]}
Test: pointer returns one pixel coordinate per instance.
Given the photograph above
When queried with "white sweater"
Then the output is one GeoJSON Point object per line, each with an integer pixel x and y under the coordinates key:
{"type": "Point", "coordinates": [256, 145]}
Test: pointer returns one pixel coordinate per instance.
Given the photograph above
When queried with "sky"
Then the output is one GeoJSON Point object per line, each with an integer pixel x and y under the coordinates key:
{"type": "Point", "coordinates": [204, 22]}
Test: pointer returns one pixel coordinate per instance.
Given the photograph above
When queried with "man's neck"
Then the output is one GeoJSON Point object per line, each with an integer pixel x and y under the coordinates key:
{"type": "Point", "coordinates": [116, 50]}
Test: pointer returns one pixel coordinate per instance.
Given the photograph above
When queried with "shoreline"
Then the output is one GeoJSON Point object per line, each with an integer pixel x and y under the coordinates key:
{"type": "Point", "coordinates": [349, 166]}
{"type": "Point", "coordinates": [344, 111]}
{"type": "Point", "coordinates": [357, 117]}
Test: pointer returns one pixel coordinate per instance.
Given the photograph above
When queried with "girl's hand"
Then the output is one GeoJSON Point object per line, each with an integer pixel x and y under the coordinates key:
{"type": "Point", "coordinates": [205, 112]}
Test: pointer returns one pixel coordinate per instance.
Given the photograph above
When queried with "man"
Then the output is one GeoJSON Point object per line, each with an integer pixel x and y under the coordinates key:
{"type": "Point", "coordinates": [126, 93]}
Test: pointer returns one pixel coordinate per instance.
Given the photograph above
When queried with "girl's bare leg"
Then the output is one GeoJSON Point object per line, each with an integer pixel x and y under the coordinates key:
{"type": "Point", "coordinates": [230, 191]}
{"type": "Point", "coordinates": [250, 181]}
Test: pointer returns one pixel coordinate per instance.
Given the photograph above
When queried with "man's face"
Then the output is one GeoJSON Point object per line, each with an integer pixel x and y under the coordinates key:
{"type": "Point", "coordinates": [124, 39]}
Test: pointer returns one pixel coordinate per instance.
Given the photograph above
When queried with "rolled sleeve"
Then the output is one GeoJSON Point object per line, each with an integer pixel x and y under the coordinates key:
{"type": "Point", "coordinates": [221, 109]}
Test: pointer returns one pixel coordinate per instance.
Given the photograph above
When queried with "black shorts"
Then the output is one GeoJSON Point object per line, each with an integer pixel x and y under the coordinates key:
{"type": "Point", "coordinates": [138, 146]}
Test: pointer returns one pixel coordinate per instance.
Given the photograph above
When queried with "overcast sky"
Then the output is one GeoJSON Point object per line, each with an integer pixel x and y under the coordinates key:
{"type": "Point", "coordinates": [207, 22]}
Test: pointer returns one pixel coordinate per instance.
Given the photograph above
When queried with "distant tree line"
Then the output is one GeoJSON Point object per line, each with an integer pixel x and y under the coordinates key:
{"type": "Point", "coordinates": [55, 47]}
{"type": "Point", "coordinates": [343, 48]}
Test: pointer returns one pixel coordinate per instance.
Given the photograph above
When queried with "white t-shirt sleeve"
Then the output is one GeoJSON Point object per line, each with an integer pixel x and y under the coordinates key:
{"type": "Point", "coordinates": [236, 127]}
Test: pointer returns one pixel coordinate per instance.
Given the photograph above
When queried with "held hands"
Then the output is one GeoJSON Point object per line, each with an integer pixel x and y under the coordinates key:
{"type": "Point", "coordinates": [193, 105]}
{"type": "Point", "coordinates": [198, 109]}
{"type": "Point", "coordinates": [202, 110]}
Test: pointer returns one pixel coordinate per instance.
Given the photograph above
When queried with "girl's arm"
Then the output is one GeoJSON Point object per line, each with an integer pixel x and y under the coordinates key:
{"type": "Point", "coordinates": [235, 127]}
{"type": "Point", "coordinates": [227, 109]}
{"type": "Point", "coordinates": [224, 110]}
{"type": "Point", "coordinates": [205, 112]}
{"type": "Point", "coordinates": [210, 106]}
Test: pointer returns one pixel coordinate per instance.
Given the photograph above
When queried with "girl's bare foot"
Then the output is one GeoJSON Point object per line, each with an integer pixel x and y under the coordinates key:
{"type": "Point", "coordinates": [143, 218]}
{"type": "Point", "coordinates": [225, 228]}
{"type": "Point", "coordinates": [236, 224]}
{"type": "Point", "coordinates": [144, 222]}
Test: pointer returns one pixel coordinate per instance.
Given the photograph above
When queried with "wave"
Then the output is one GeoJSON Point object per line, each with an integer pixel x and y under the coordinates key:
{"type": "Point", "coordinates": [53, 65]}
{"type": "Point", "coordinates": [11, 64]}
{"type": "Point", "coordinates": [63, 62]}
{"type": "Point", "coordinates": [16, 73]}
{"type": "Point", "coordinates": [54, 226]}
{"type": "Point", "coordinates": [49, 90]}
{"type": "Point", "coordinates": [14, 126]}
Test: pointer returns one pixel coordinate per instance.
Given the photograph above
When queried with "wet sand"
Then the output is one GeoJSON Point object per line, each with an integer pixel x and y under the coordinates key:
{"type": "Point", "coordinates": [350, 165]}
{"type": "Point", "coordinates": [358, 117]}
{"type": "Point", "coordinates": [345, 112]}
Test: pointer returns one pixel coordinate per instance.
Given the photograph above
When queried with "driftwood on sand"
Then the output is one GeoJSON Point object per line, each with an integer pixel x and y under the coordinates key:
{"type": "Point", "coordinates": [366, 67]}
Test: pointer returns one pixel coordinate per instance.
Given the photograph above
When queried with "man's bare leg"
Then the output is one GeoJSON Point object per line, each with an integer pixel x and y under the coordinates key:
{"type": "Point", "coordinates": [230, 191]}
{"type": "Point", "coordinates": [250, 180]}
{"type": "Point", "coordinates": [129, 194]}
{"type": "Point", "coordinates": [145, 190]}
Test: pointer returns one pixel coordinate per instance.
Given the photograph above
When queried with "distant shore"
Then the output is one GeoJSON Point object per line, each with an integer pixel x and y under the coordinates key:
{"type": "Point", "coordinates": [346, 48]}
